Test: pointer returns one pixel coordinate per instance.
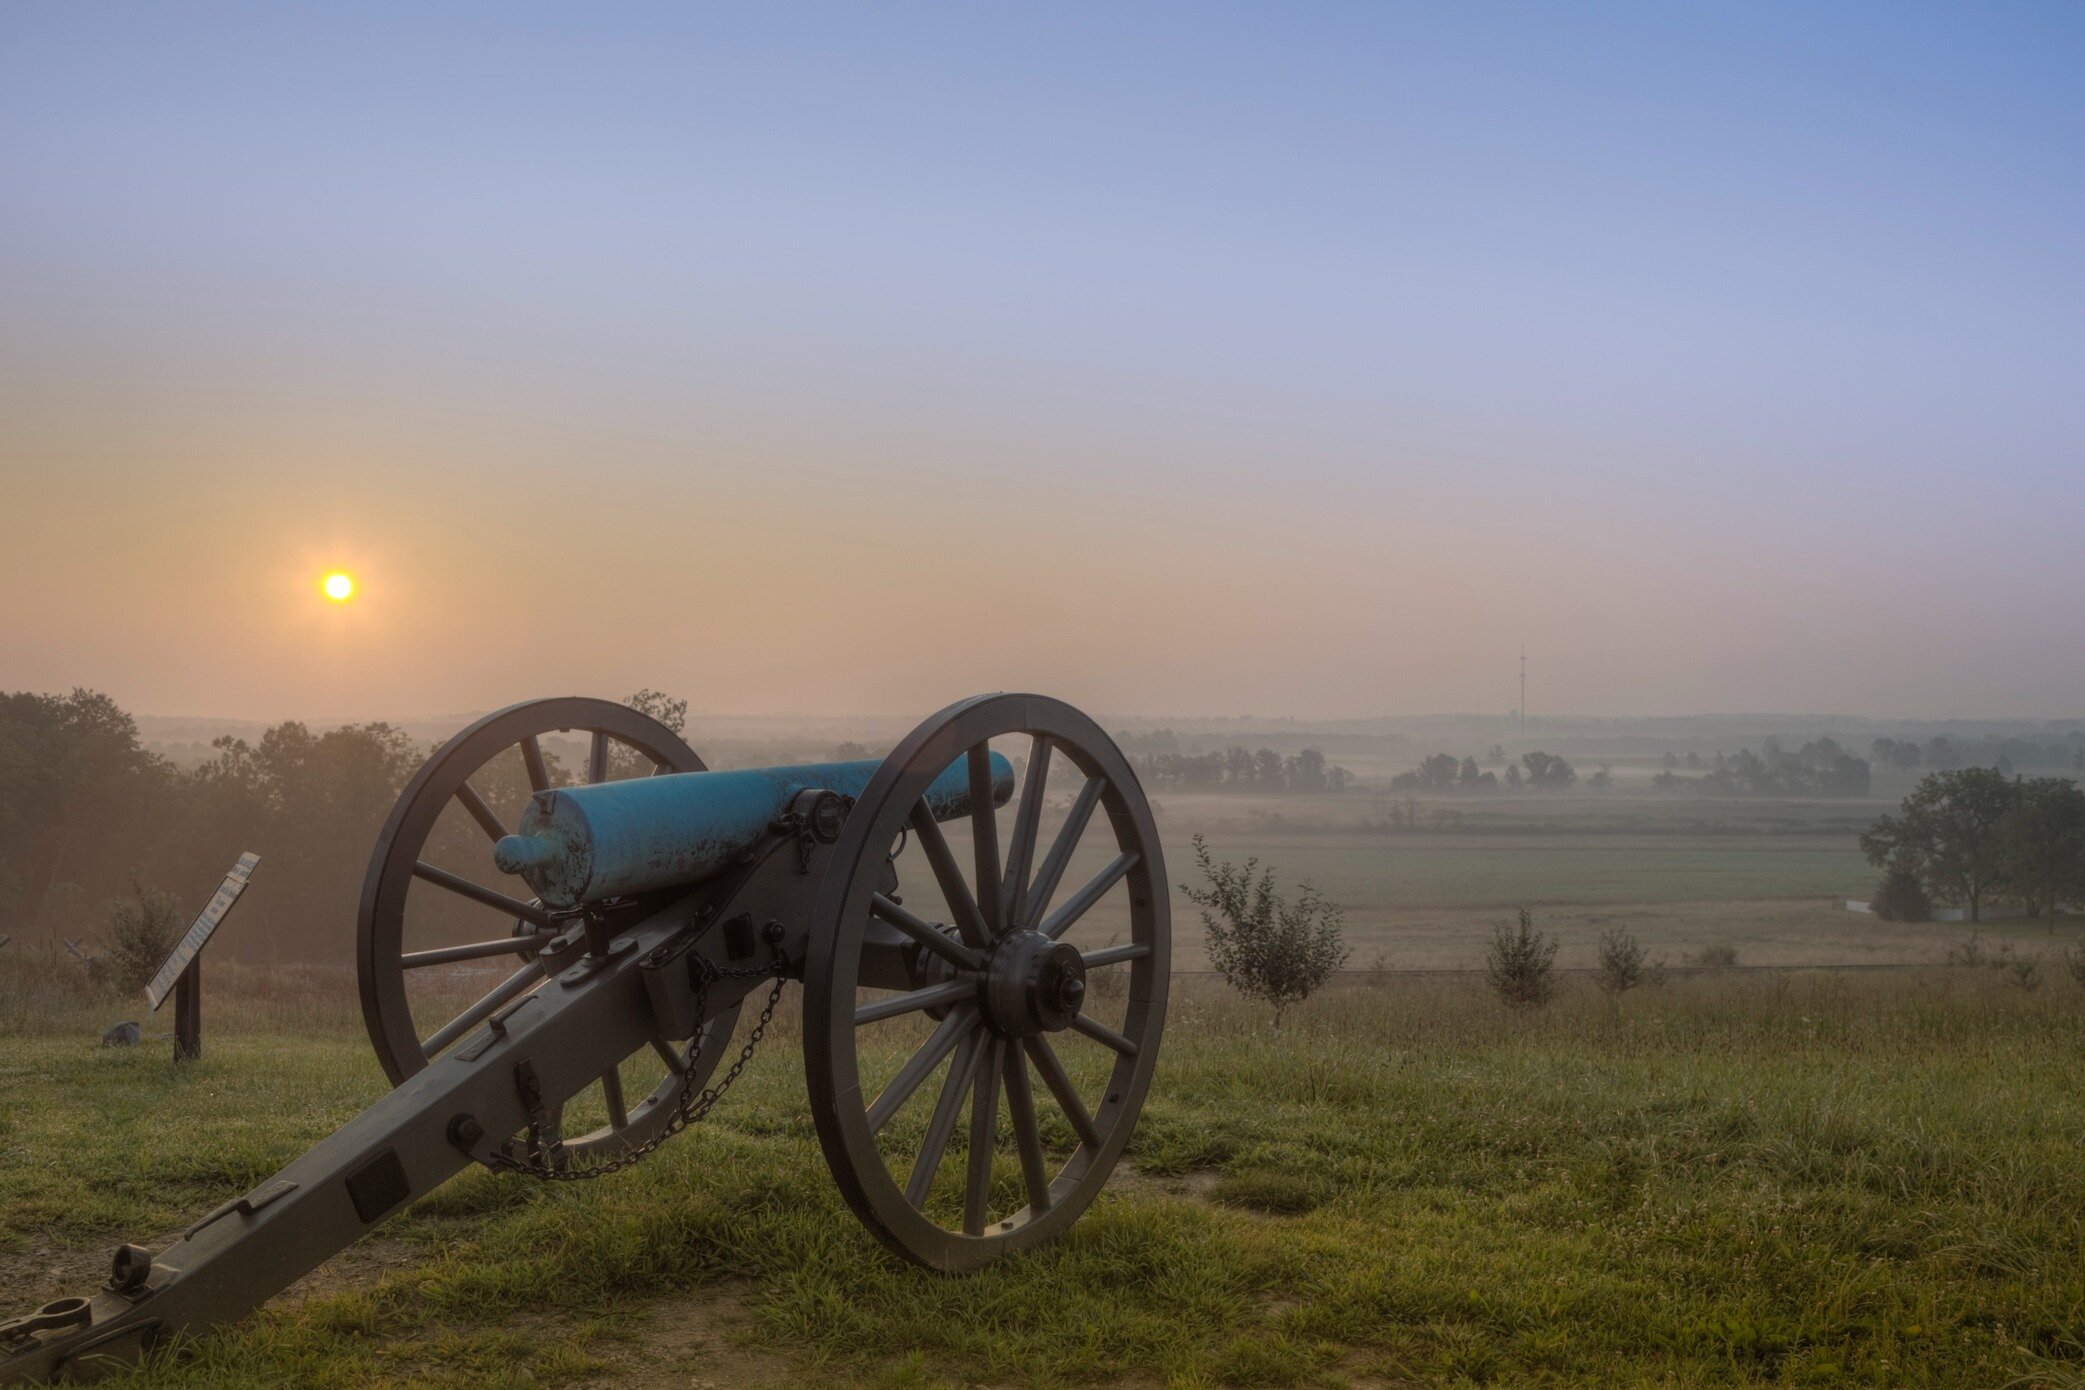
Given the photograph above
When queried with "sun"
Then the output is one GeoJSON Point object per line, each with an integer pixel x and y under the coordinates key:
{"type": "Point", "coordinates": [338, 587]}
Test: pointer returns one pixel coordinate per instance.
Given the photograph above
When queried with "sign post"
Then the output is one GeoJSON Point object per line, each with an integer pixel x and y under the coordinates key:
{"type": "Point", "coordinates": [182, 975]}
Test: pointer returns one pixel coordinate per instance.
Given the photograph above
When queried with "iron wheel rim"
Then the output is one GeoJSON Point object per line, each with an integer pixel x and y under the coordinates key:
{"type": "Point", "coordinates": [387, 1010]}
{"type": "Point", "coordinates": [847, 1131]}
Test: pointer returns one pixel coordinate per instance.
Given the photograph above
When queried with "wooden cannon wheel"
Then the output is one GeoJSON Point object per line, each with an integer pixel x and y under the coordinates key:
{"type": "Point", "coordinates": [999, 990]}
{"type": "Point", "coordinates": [507, 745]}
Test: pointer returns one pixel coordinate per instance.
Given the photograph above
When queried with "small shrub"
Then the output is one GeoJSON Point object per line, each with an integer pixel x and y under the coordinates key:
{"type": "Point", "coordinates": [2026, 972]}
{"type": "Point", "coordinates": [2074, 962]}
{"type": "Point", "coordinates": [1719, 956]}
{"type": "Point", "coordinates": [1265, 946]}
{"type": "Point", "coordinates": [1521, 963]}
{"type": "Point", "coordinates": [1969, 952]}
{"type": "Point", "coordinates": [1900, 897]}
{"type": "Point", "coordinates": [142, 930]}
{"type": "Point", "coordinates": [1622, 965]}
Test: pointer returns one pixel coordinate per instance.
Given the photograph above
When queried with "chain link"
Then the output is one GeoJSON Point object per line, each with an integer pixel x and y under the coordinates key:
{"type": "Point", "coordinates": [690, 1106]}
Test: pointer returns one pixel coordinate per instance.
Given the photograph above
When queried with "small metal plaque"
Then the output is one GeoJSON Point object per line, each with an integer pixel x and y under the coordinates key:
{"type": "Point", "coordinates": [194, 938]}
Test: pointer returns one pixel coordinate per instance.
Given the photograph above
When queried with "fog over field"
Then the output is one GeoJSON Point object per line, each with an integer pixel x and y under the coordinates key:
{"type": "Point", "coordinates": [1423, 872]}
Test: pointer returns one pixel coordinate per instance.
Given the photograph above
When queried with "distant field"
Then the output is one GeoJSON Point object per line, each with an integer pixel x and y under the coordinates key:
{"type": "Point", "coordinates": [1734, 1180]}
{"type": "Point", "coordinates": [1768, 878]}
{"type": "Point", "coordinates": [1445, 870]}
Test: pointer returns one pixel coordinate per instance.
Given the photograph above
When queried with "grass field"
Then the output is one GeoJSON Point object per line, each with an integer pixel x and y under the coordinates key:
{"type": "Point", "coordinates": [1767, 878]}
{"type": "Point", "coordinates": [1737, 1179]}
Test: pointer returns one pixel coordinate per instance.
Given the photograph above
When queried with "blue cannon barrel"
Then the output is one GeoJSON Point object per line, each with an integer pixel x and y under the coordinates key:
{"type": "Point", "coordinates": [581, 844]}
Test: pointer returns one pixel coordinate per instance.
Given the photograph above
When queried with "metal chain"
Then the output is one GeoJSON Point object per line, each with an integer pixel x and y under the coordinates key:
{"type": "Point", "coordinates": [690, 1106]}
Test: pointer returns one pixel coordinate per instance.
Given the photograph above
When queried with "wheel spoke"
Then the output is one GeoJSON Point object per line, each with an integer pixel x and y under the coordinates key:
{"type": "Point", "coordinates": [500, 902]}
{"type": "Point", "coordinates": [984, 838]}
{"type": "Point", "coordinates": [1095, 889]}
{"type": "Point", "coordinates": [1020, 854]}
{"type": "Point", "coordinates": [670, 1055]}
{"type": "Point", "coordinates": [1062, 847]}
{"type": "Point", "coordinates": [984, 1138]}
{"type": "Point", "coordinates": [612, 1092]}
{"type": "Point", "coordinates": [532, 758]}
{"type": "Point", "coordinates": [914, 1000]}
{"type": "Point", "coordinates": [953, 1030]}
{"type": "Point", "coordinates": [488, 820]}
{"type": "Point", "coordinates": [946, 1111]}
{"type": "Point", "coordinates": [477, 950]}
{"type": "Point", "coordinates": [1045, 1058]}
{"type": "Point", "coordinates": [920, 930]}
{"type": "Point", "coordinates": [597, 757]}
{"type": "Point", "coordinates": [1101, 1033]}
{"type": "Point", "coordinates": [513, 987]}
{"type": "Point", "coordinates": [1115, 955]}
{"type": "Point", "coordinates": [960, 904]}
{"type": "Point", "coordinates": [1020, 1108]}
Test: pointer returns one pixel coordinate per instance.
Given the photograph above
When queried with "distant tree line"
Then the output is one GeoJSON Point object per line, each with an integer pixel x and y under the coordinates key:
{"type": "Point", "coordinates": [1943, 754]}
{"type": "Point", "coordinates": [1444, 772]}
{"type": "Point", "coordinates": [88, 813]}
{"type": "Point", "coordinates": [94, 825]}
{"type": "Point", "coordinates": [1820, 767]}
{"type": "Point", "coordinates": [1974, 836]}
{"type": "Point", "coordinates": [1239, 770]}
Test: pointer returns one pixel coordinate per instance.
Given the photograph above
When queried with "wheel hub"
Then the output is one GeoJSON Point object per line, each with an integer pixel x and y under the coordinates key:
{"type": "Point", "coordinates": [1033, 985]}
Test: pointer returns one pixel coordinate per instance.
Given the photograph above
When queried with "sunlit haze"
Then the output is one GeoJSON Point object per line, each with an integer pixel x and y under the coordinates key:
{"type": "Point", "coordinates": [1194, 359]}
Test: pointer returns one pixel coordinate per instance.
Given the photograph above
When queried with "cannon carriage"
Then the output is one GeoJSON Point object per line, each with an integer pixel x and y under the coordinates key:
{"type": "Point", "coordinates": [952, 955]}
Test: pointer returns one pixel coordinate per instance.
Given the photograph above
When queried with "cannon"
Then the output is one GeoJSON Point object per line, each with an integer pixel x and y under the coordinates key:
{"type": "Point", "coordinates": [950, 953]}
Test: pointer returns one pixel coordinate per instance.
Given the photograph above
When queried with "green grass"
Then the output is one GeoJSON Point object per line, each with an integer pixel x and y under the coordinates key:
{"type": "Point", "coordinates": [1753, 1180]}
{"type": "Point", "coordinates": [1429, 871]}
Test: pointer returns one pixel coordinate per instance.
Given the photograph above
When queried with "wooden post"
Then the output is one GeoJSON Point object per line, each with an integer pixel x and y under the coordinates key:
{"type": "Point", "coordinates": [188, 1012]}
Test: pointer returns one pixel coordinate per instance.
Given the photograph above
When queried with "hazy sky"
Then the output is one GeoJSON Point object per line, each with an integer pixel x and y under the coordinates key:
{"type": "Point", "coordinates": [1172, 359]}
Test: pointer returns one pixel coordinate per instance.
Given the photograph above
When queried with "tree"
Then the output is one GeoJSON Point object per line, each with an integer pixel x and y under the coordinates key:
{"type": "Point", "coordinates": [142, 933]}
{"type": "Point", "coordinates": [1548, 770]}
{"type": "Point", "coordinates": [1621, 960]}
{"type": "Point", "coordinates": [1438, 773]}
{"type": "Point", "coordinates": [1520, 963]}
{"type": "Point", "coordinates": [1950, 831]}
{"type": "Point", "coordinates": [662, 707]}
{"type": "Point", "coordinates": [1264, 946]}
{"type": "Point", "coordinates": [2043, 845]}
{"type": "Point", "coordinates": [1513, 777]}
{"type": "Point", "coordinates": [1469, 774]}
{"type": "Point", "coordinates": [1900, 897]}
{"type": "Point", "coordinates": [78, 794]}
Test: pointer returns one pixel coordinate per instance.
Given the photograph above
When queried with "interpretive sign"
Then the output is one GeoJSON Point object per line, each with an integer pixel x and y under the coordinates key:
{"type": "Point", "coordinates": [182, 975]}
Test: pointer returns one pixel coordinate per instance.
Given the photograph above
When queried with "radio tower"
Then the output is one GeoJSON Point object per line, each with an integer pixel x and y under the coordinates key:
{"type": "Point", "coordinates": [1523, 692]}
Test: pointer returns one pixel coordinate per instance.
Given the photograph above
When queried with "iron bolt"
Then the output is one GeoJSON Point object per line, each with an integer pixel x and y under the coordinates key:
{"type": "Point", "coordinates": [465, 1131]}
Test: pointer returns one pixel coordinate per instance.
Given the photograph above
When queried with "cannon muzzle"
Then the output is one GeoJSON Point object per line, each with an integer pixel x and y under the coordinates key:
{"type": "Point", "coordinates": [580, 844]}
